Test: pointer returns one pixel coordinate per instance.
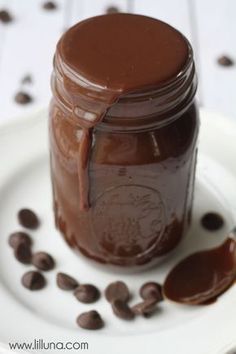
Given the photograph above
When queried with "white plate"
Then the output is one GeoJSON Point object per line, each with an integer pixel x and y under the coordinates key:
{"type": "Point", "coordinates": [50, 314]}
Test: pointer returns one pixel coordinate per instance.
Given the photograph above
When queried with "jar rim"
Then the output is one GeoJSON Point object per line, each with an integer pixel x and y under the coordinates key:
{"type": "Point", "coordinates": [160, 100]}
{"type": "Point", "coordinates": [62, 68]}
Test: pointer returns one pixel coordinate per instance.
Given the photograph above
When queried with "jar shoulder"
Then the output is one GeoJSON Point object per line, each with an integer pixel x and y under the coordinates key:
{"type": "Point", "coordinates": [110, 147]}
{"type": "Point", "coordinates": [171, 141]}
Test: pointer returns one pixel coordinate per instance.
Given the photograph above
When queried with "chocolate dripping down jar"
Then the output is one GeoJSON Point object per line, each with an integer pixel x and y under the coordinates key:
{"type": "Point", "coordinates": [122, 161]}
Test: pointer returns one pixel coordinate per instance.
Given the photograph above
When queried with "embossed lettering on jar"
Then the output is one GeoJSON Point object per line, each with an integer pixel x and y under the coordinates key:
{"type": "Point", "coordinates": [123, 134]}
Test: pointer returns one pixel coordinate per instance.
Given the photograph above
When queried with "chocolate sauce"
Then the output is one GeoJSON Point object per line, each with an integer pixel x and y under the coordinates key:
{"type": "Point", "coordinates": [83, 156]}
{"type": "Point", "coordinates": [113, 61]}
{"type": "Point", "coordinates": [203, 276]}
{"type": "Point", "coordinates": [122, 103]}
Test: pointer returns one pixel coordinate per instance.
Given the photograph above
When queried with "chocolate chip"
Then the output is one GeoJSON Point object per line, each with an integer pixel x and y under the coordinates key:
{"type": "Point", "coordinates": [23, 253]}
{"type": "Point", "coordinates": [112, 10]}
{"type": "Point", "coordinates": [28, 219]}
{"type": "Point", "coordinates": [43, 261]}
{"type": "Point", "coordinates": [19, 237]}
{"type": "Point", "coordinates": [49, 5]}
{"type": "Point", "coordinates": [122, 310]}
{"type": "Point", "coordinates": [90, 320]}
{"type": "Point", "coordinates": [117, 290]}
{"type": "Point", "coordinates": [145, 308]}
{"type": "Point", "coordinates": [225, 61]}
{"type": "Point", "coordinates": [66, 282]}
{"type": "Point", "coordinates": [87, 293]}
{"type": "Point", "coordinates": [23, 98]}
{"type": "Point", "coordinates": [27, 79]}
{"type": "Point", "coordinates": [151, 290]}
{"type": "Point", "coordinates": [212, 221]}
{"type": "Point", "coordinates": [5, 16]}
{"type": "Point", "coordinates": [33, 280]}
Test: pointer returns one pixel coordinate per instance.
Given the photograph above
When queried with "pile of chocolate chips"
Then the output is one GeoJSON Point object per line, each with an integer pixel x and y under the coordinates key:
{"type": "Point", "coordinates": [85, 293]}
{"type": "Point", "coordinates": [116, 293]}
{"type": "Point", "coordinates": [21, 242]}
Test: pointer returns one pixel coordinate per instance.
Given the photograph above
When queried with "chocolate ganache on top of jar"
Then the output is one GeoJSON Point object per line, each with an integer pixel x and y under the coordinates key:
{"type": "Point", "coordinates": [123, 132]}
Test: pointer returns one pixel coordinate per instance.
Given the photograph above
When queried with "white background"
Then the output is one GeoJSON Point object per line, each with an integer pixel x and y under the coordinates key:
{"type": "Point", "coordinates": [27, 45]}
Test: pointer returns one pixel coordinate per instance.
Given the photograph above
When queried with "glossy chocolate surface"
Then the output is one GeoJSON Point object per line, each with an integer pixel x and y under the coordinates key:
{"type": "Point", "coordinates": [123, 132]}
{"type": "Point", "coordinates": [124, 52]}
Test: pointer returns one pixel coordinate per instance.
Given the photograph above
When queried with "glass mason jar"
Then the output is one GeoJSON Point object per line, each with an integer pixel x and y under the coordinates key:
{"type": "Point", "coordinates": [141, 170]}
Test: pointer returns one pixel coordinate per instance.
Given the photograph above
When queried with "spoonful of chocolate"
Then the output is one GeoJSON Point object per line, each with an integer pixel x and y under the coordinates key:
{"type": "Point", "coordinates": [201, 277]}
